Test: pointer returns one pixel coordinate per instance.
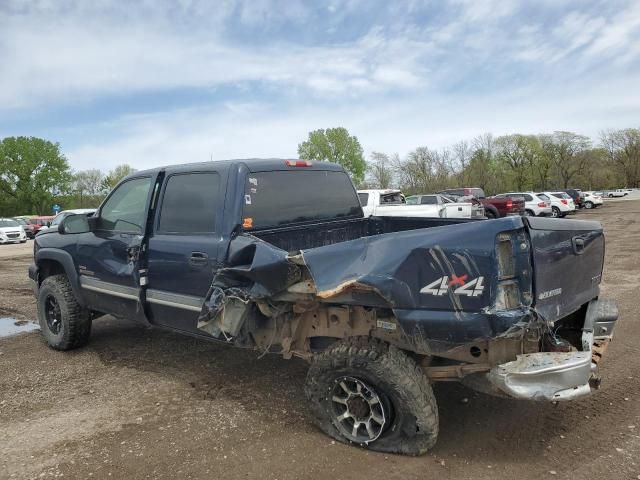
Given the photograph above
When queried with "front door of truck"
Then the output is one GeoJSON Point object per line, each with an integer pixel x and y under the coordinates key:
{"type": "Point", "coordinates": [185, 247]}
{"type": "Point", "coordinates": [108, 255]}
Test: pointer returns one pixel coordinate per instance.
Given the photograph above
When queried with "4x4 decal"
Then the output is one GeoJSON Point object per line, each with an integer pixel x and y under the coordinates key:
{"type": "Point", "coordinates": [441, 286]}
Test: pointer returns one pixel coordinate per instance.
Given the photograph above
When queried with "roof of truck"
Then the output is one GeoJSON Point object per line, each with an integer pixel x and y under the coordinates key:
{"type": "Point", "coordinates": [253, 164]}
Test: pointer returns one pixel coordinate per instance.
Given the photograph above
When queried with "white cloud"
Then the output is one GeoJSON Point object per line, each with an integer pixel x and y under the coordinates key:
{"type": "Point", "coordinates": [263, 130]}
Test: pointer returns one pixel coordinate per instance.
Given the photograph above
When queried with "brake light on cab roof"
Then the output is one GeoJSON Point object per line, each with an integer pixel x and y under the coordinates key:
{"type": "Point", "coordinates": [298, 163]}
{"type": "Point", "coordinates": [247, 222]}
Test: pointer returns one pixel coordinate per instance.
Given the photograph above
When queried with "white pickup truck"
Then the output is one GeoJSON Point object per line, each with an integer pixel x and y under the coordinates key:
{"type": "Point", "coordinates": [391, 203]}
{"type": "Point", "coordinates": [452, 208]}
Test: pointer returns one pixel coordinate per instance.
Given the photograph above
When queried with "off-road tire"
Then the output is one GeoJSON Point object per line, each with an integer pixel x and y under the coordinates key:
{"type": "Point", "coordinates": [75, 325]}
{"type": "Point", "coordinates": [413, 426]}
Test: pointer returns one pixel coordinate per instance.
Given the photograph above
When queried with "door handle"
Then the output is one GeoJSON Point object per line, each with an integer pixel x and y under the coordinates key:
{"type": "Point", "coordinates": [578, 245]}
{"type": "Point", "coordinates": [198, 259]}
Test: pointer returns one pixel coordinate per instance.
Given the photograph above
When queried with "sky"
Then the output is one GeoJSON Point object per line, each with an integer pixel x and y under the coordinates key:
{"type": "Point", "coordinates": [161, 82]}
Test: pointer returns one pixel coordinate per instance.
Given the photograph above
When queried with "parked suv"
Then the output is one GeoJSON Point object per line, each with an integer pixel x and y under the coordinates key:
{"type": "Point", "coordinates": [28, 228]}
{"type": "Point", "coordinates": [592, 199]}
{"type": "Point", "coordinates": [561, 204]}
{"type": "Point", "coordinates": [576, 196]}
{"type": "Point", "coordinates": [535, 204]}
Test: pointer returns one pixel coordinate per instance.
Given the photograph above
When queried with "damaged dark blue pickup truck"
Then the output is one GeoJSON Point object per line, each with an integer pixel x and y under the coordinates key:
{"type": "Point", "coordinates": [275, 255]}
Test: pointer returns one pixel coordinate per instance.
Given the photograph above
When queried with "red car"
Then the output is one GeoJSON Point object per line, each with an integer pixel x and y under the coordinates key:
{"type": "Point", "coordinates": [493, 207]}
{"type": "Point", "coordinates": [39, 222]}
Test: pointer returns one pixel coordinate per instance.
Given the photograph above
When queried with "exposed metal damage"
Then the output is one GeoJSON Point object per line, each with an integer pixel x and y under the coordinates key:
{"type": "Point", "coordinates": [299, 303]}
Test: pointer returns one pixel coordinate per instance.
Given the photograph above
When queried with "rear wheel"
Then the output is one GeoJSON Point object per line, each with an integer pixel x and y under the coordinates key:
{"type": "Point", "coordinates": [555, 212]}
{"type": "Point", "coordinates": [489, 214]}
{"type": "Point", "coordinates": [64, 323]}
{"type": "Point", "coordinates": [529, 213]}
{"type": "Point", "coordinates": [366, 392]}
{"type": "Point", "coordinates": [588, 205]}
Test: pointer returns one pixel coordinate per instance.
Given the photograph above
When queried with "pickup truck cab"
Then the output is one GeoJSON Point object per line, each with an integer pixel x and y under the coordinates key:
{"type": "Point", "coordinates": [452, 209]}
{"type": "Point", "coordinates": [277, 256]}
{"type": "Point", "coordinates": [391, 203]}
{"type": "Point", "coordinates": [494, 207]}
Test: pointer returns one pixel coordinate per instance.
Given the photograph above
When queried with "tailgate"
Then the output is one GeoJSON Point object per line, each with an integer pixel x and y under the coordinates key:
{"type": "Point", "coordinates": [567, 259]}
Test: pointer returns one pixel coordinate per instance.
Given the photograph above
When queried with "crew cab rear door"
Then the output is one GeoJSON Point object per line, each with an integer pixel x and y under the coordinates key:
{"type": "Point", "coordinates": [568, 257]}
{"type": "Point", "coordinates": [186, 245]}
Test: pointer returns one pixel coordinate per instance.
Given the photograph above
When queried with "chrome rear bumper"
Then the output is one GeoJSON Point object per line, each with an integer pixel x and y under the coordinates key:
{"type": "Point", "coordinates": [559, 376]}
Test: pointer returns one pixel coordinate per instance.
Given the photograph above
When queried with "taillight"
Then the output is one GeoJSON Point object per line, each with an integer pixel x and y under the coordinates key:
{"type": "Point", "coordinates": [542, 205]}
{"type": "Point", "coordinates": [509, 204]}
{"type": "Point", "coordinates": [564, 202]}
{"type": "Point", "coordinates": [298, 163]}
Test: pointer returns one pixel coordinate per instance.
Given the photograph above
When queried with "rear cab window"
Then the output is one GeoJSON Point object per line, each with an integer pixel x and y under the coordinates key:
{"type": "Point", "coordinates": [364, 198]}
{"type": "Point", "coordinates": [289, 197]}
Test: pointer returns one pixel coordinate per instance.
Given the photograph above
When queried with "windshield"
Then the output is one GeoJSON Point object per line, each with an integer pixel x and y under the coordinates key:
{"type": "Point", "coordinates": [8, 223]}
{"type": "Point", "coordinates": [59, 218]}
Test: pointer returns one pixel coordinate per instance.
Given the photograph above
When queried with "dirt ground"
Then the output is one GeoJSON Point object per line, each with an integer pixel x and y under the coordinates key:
{"type": "Point", "coordinates": [140, 403]}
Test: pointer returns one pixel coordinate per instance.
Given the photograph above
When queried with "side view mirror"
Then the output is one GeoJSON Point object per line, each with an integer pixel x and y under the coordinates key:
{"type": "Point", "coordinates": [74, 224]}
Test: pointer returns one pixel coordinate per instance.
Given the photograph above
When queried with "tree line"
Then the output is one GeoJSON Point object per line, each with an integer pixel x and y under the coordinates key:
{"type": "Point", "coordinates": [35, 174]}
{"type": "Point", "coordinates": [514, 162]}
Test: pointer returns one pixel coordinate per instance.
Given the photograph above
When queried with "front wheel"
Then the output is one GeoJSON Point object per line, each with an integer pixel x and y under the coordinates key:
{"type": "Point", "coordinates": [610, 195]}
{"type": "Point", "coordinates": [555, 212]}
{"type": "Point", "coordinates": [64, 323]}
{"type": "Point", "coordinates": [366, 392]}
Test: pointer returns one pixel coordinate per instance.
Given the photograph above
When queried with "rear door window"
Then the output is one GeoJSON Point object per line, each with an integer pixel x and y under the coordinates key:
{"type": "Point", "coordinates": [429, 200]}
{"type": "Point", "coordinates": [297, 196]}
{"type": "Point", "coordinates": [190, 203]}
{"type": "Point", "coordinates": [364, 198]}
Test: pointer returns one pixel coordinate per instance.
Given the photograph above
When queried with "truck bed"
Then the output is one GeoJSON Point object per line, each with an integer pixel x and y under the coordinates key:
{"type": "Point", "coordinates": [294, 238]}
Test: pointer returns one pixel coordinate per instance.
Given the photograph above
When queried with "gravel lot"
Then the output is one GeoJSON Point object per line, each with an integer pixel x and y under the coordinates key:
{"type": "Point", "coordinates": [139, 403]}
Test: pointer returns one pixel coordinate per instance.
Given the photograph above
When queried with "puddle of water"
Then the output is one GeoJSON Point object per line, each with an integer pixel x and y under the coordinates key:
{"type": "Point", "coordinates": [11, 326]}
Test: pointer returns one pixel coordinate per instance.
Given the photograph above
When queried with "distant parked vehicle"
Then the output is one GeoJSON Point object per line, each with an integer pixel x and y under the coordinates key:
{"type": "Point", "coordinates": [40, 222]}
{"type": "Point", "coordinates": [494, 207]}
{"type": "Point", "coordinates": [27, 227]}
{"type": "Point", "coordinates": [561, 204]}
{"type": "Point", "coordinates": [11, 231]}
{"type": "Point", "coordinates": [592, 199]}
{"type": "Point", "coordinates": [461, 209]}
{"type": "Point", "coordinates": [535, 204]}
{"type": "Point", "coordinates": [616, 193]}
{"type": "Point", "coordinates": [391, 203]}
{"type": "Point", "coordinates": [65, 213]}
{"type": "Point", "coordinates": [577, 197]}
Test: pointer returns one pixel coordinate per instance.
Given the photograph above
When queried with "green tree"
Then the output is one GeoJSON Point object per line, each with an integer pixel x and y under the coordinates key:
{"type": "Point", "coordinates": [115, 175]}
{"type": "Point", "coordinates": [335, 145]}
{"type": "Point", "coordinates": [514, 152]}
{"type": "Point", "coordinates": [380, 171]}
{"type": "Point", "coordinates": [567, 148]}
{"type": "Point", "coordinates": [623, 150]}
{"type": "Point", "coordinates": [32, 172]}
{"type": "Point", "coordinates": [87, 183]}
